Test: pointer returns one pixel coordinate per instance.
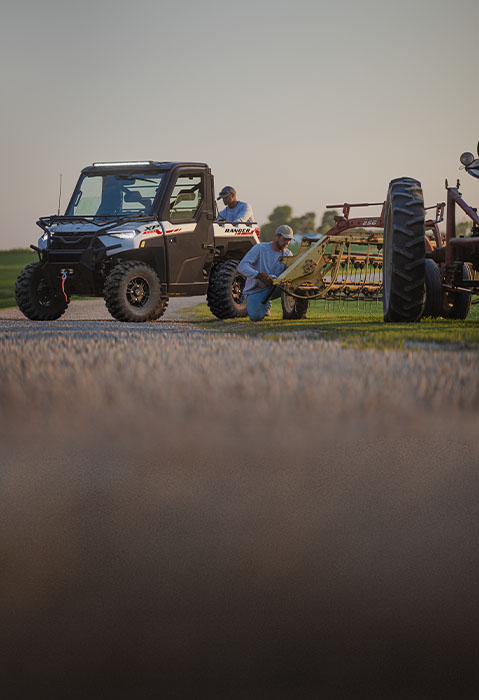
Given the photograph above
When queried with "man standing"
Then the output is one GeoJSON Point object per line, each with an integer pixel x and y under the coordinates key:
{"type": "Point", "coordinates": [234, 211]}
{"type": "Point", "coordinates": [260, 266]}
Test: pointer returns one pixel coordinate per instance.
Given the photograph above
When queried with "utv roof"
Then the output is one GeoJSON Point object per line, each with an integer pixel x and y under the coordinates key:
{"type": "Point", "coordinates": [143, 164]}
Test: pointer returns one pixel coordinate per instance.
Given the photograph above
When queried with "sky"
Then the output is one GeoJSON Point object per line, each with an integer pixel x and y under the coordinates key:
{"type": "Point", "coordinates": [306, 103]}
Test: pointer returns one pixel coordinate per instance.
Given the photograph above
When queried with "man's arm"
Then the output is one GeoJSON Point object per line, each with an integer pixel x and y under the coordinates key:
{"type": "Point", "coordinates": [246, 265]}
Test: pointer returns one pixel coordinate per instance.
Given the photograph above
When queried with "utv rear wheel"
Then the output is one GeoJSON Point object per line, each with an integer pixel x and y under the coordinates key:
{"type": "Point", "coordinates": [404, 251]}
{"type": "Point", "coordinates": [458, 304]}
{"type": "Point", "coordinates": [433, 300]}
{"type": "Point", "coordinates": [132, 293]}
{"type": "Point", "coordinates": [225, 291]}
{"type": "Point", "coordinates": [293, 307]}
{"type": "Point", "coordinates": [35, 299]}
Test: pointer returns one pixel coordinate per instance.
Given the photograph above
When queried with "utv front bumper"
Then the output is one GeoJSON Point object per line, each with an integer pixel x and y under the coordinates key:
{"type": "Point", "coordinates": [78, 257]}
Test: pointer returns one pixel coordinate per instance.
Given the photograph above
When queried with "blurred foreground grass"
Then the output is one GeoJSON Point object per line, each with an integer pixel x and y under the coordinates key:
{"type": "Point", "coordinates": [361, 327]}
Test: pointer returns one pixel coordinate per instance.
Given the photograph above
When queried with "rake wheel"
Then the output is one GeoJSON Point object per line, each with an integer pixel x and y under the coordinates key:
{"type": "Point", "coordinates": [293, 306]}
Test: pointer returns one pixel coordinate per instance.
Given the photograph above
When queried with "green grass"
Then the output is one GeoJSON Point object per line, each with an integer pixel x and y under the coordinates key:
{"type": "Point", "coordinates": [12, 263]}
{"type": "Point", "coordinates": [353, 327]}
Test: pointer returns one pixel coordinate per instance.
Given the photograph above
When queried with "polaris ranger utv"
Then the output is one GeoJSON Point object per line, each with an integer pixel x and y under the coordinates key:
{"type": "Point", "coordinates": [137, 233]}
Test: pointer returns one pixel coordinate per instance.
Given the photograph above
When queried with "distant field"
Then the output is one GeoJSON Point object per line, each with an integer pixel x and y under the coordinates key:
{"type": "Point", "coordinates": [12, 263]}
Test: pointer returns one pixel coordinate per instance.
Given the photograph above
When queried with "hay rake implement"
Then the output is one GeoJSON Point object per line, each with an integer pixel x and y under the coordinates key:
{"type": "Point", "coordinates": [344, 265]}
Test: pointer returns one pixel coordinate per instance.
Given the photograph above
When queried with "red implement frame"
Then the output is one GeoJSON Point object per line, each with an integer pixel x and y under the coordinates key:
{"type": "Point", "coordinates": [453, 198]}
{"type": "Point", "coordinates": [343, 223]}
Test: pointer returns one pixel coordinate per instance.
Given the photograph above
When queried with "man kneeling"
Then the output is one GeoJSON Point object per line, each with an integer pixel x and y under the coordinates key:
{"type": "Point", "coordinates": [261, 266]}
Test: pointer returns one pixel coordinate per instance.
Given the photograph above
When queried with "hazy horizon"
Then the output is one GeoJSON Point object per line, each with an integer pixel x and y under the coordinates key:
{"type": "Point", "coordinates": [307, 104]}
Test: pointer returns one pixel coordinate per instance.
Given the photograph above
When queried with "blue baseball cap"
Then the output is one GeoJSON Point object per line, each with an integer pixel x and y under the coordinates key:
{"type": "Point", "coordinates": [226, 191]}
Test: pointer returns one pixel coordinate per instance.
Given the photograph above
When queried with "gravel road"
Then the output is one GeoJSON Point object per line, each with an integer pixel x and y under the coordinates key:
{"type": "Point", "coordinates": [95, 310]}
{"type": "Point", "coordinates": [189, 514]}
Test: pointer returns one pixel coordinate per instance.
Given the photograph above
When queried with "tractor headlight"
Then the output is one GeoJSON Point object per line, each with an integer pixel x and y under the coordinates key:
{"type": "Point", "coordinates": [467, 158]}
{"type": "Point", "coordinates": [124, 234]}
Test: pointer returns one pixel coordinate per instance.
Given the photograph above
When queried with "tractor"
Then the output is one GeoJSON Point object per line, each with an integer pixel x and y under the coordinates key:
{"type": "Point", "coordinates": [398, 256]}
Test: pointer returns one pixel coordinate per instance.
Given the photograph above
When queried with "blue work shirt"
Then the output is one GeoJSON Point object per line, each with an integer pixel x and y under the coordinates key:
{"type": "Point", "coordinates": [261, 258]}
{"type": "Point", "coordinates": [242, 212]}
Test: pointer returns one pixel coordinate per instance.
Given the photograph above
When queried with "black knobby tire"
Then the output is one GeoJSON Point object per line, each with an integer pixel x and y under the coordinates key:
{"type": "Point", "coordinates": [132, 292]}
{"type": "Point", "coordinates": [293, 307]}
{"type": "Point", "coordinates": [404, 251]}
{"type": "Point", "coordinates": [458, 304]}
{"type": "Point", "coordinates": [433, 295]}
{"type": "Point", "coordinates": [34, 297]}
{"type": "Point", "coordinates": [225, 291]}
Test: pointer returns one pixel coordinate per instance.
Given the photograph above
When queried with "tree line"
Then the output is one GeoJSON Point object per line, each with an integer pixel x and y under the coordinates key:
{"type": "Point", "coordinates": [283, 214]}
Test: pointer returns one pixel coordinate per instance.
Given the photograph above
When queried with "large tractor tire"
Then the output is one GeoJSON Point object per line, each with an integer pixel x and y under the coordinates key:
{"type": "Point", "coordinates": [433, 295]}
{"type": "Point", "coordinates": [293, 307]}
{"type": "Point", "coordinates": [34, 297]}
{"type": "Point", "coordinates": [458, 304]}
{"type": "Point", "coordinates": [225, 291]}
{"type": "Point", "coordinates": [132, 292]}
{"type": "Point", "coordinates": [404, 252]}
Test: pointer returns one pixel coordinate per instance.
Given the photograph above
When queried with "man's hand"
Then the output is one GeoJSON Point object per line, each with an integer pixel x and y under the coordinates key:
{"type": "Point", "coordinates": [264, 278]}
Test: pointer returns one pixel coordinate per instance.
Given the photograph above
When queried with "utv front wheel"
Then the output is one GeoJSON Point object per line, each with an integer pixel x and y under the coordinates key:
{"type": "Point", "coordinates": [132, 293]}
{"type": "Point", "coordinates": [293, 307]}
{"type": "Point", "coordinates": [225, 291]}
{"type": "Point", "coordinates": [34, 297]}
{"type": "Point", "coordinates": [404, 251]}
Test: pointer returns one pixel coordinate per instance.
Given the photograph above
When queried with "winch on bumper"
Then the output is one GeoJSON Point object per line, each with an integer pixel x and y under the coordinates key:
{"type": "Point", "coordinates": [79, 255]}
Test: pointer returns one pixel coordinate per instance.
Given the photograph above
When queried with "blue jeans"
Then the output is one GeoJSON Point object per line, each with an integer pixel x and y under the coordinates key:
{"type": "Point", "coordinates": [255, 304]}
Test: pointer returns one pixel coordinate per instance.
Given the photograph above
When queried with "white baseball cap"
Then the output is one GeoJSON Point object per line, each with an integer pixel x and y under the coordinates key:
{"type": "Point", "coordinates": [285, 231]}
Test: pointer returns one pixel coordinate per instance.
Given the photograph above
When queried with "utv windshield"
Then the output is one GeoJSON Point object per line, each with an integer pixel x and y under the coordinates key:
{"type": "Point", "coordinates": [115, 194]}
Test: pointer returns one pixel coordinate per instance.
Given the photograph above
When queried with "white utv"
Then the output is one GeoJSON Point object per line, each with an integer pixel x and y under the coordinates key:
{"type": "Point", "coordinates": [137, 233]}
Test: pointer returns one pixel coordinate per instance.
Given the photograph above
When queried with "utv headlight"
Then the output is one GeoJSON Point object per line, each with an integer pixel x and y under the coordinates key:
{"type": "Point", "coordinates": [124, 234]}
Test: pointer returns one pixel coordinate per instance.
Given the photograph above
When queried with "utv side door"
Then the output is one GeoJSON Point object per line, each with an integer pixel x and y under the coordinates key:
{"type": "Point", "coordinates": [188, 221]}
